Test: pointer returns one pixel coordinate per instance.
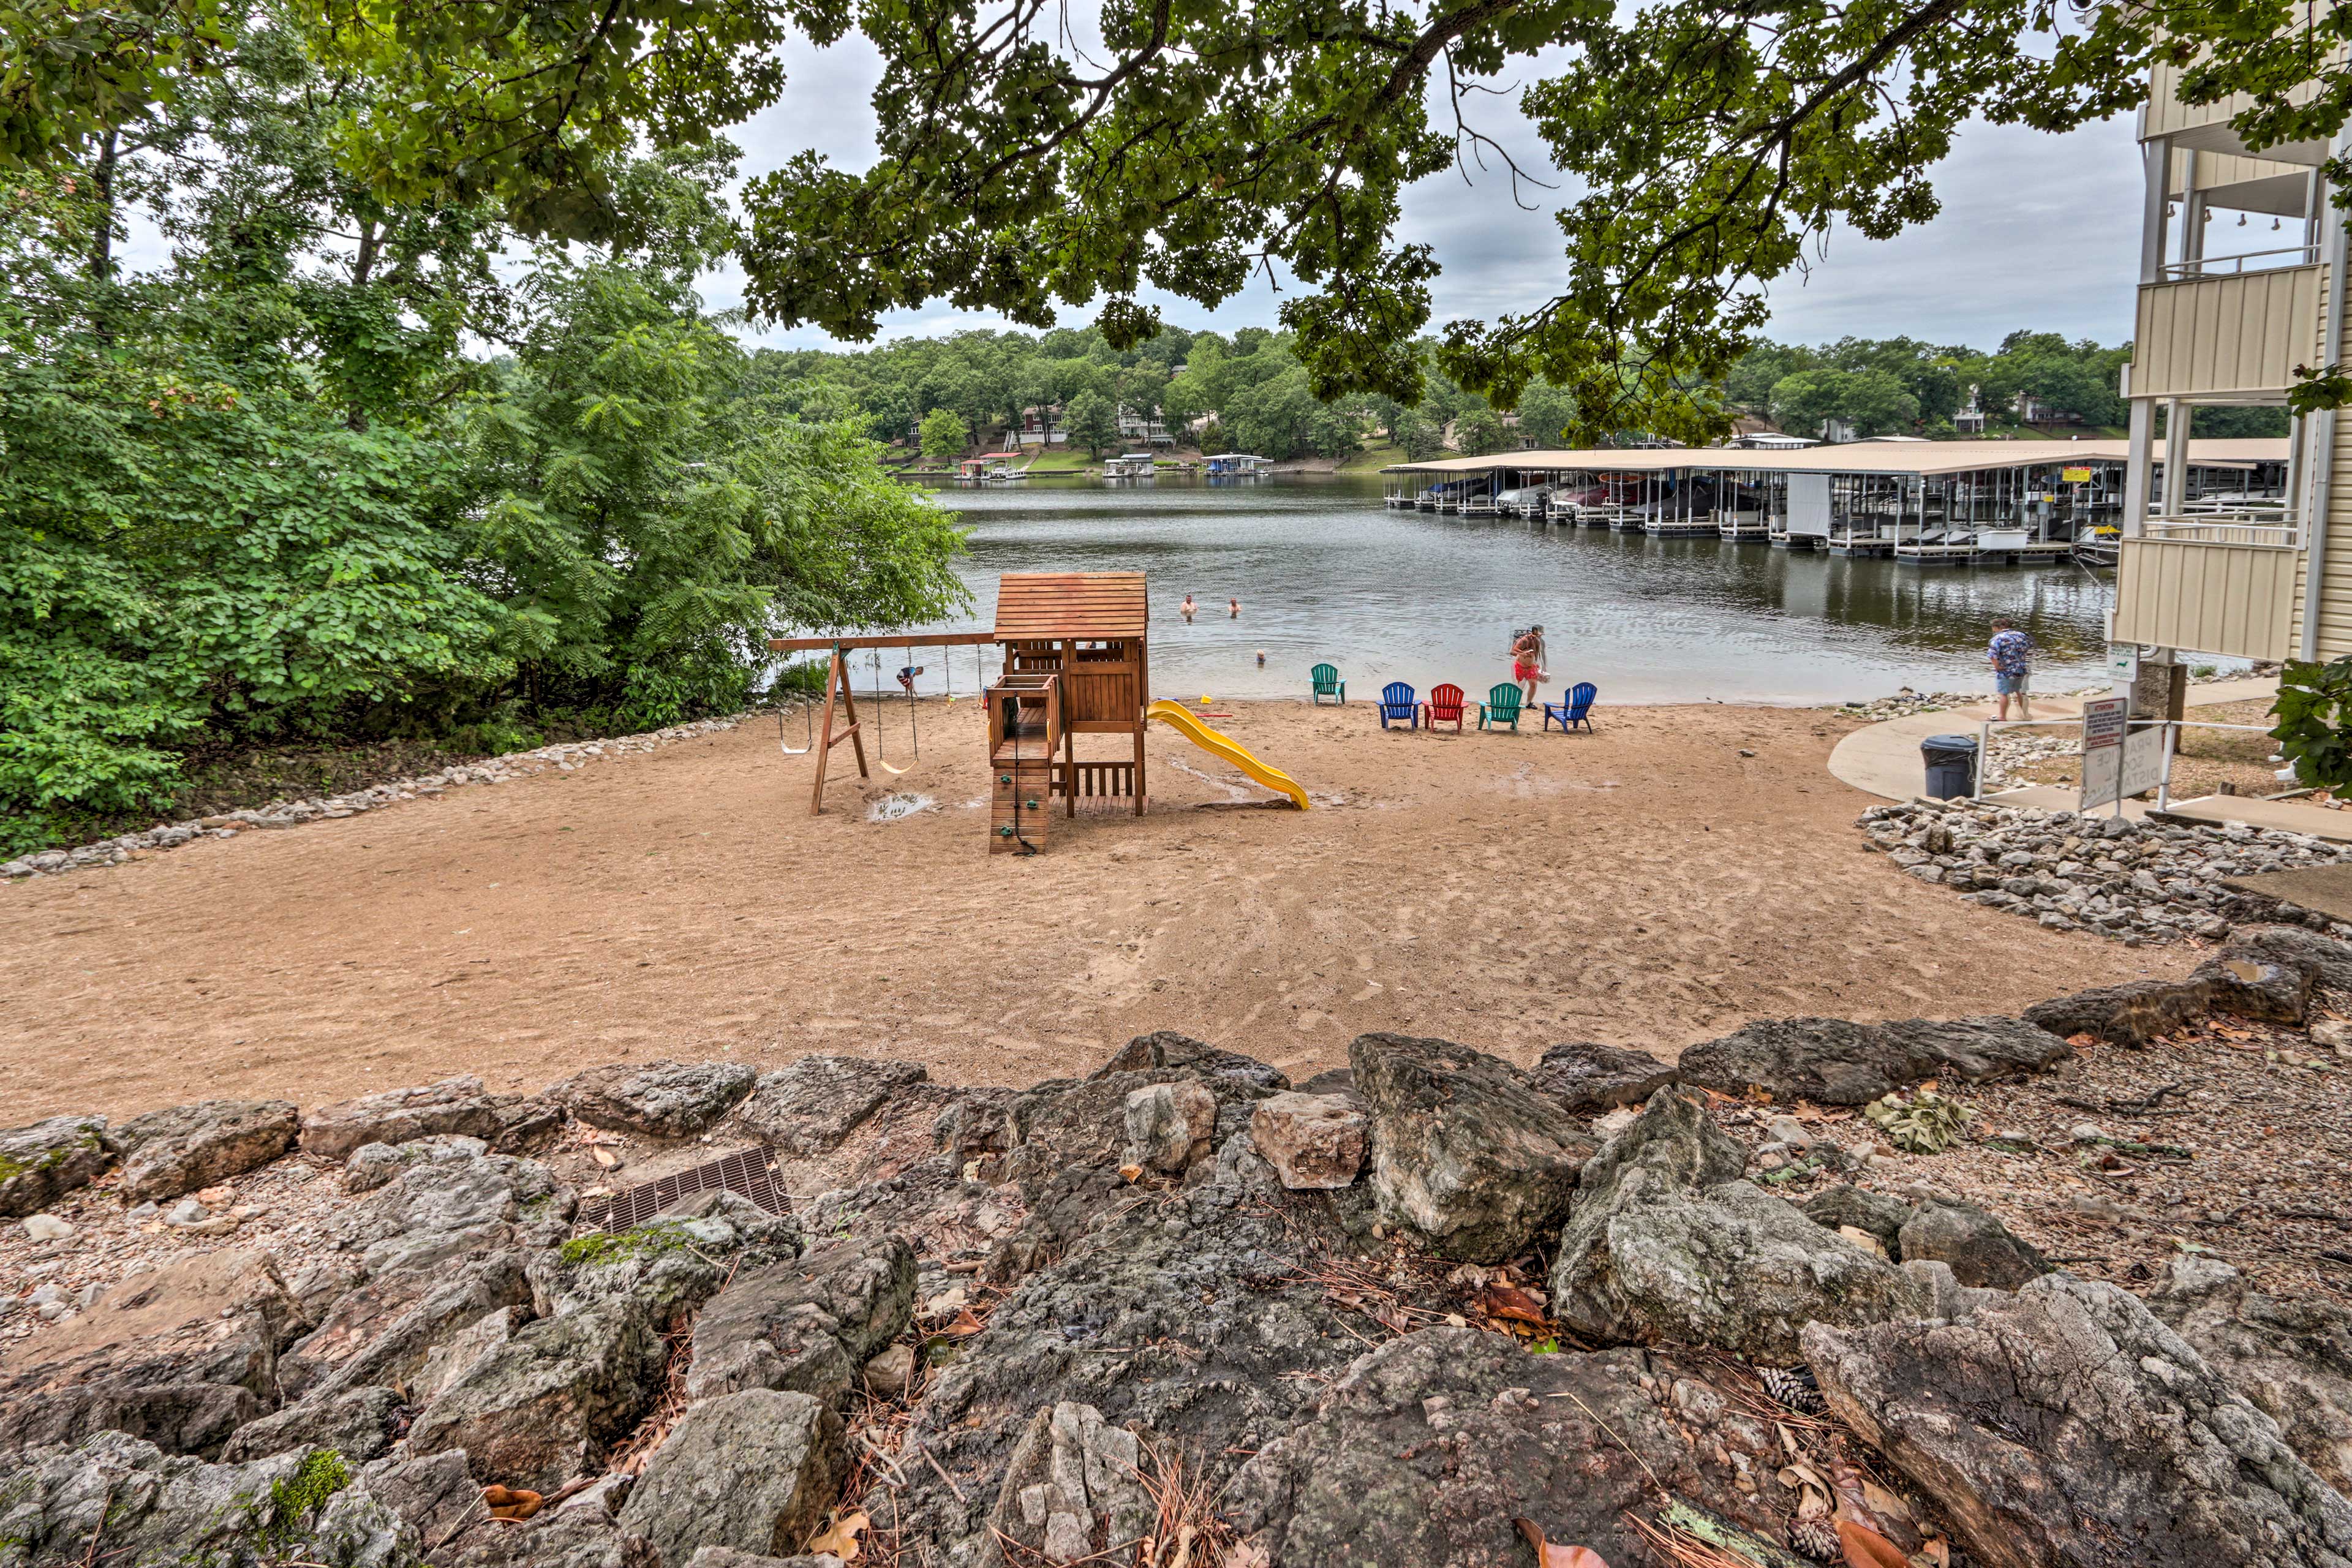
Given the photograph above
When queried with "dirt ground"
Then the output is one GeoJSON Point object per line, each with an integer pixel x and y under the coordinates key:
{"type": "Point", "coordinates": [1647, 884]}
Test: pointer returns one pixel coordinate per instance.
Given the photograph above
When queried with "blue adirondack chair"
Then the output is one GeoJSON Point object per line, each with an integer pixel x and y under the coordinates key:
{"type": "Point", "coordinates": [1570, 710]}
{"type": "Point", "coordinates": [1396, 702]}
{"type": "Point", "coordinates": [1327, 683]}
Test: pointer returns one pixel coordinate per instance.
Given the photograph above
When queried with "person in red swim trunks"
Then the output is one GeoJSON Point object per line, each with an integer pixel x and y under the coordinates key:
{"type": "Point", "coordinates": [1528, 661]}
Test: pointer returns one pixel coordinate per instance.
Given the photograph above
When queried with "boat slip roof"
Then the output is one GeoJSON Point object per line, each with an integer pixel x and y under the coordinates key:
{"type": "Point", "coordinates": [1853, 457]}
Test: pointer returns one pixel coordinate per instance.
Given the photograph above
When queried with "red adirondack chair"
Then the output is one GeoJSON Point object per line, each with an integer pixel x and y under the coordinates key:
{"type": "Point", "coordinates": [1444, 707]}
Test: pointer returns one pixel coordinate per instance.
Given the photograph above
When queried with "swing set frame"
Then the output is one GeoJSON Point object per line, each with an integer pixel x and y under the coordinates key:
{"type": "Point", "coordinates": [836, 689]}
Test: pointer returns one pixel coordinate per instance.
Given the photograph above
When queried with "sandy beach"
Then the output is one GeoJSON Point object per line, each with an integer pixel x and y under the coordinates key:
{"type": "Point", "coordinates": [1650, 884]}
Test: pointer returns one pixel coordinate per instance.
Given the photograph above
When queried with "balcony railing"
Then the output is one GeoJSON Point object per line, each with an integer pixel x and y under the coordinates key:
{"type": "Point", "coordinates": [2250, 526]}
{"type": "Point", "coordinates": [2230, 266]}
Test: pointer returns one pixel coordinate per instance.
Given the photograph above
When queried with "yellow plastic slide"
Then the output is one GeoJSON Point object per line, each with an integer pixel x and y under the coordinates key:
{"type": "Point", "coordinates": [1180, 719]}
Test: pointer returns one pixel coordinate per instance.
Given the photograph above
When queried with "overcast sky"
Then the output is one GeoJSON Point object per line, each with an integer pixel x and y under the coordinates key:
{"type": "Point", "coordinates": [2037, 231]}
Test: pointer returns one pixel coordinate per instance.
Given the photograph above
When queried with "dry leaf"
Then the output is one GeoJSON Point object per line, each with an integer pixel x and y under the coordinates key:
{"type": "Point", "coordinates": [1498, 1300]}
{"type": "Point", "coordinates": [1865, 1548]}
{"type": "Point", "coordinates": [510, 1502]}
{"type": "Point", "coordinates": [1551, 1556]}
{"type": "Point", "coordinates": [1885, 1503]}
{"type": "Point", "coordinates": [1251, 1553]}
{"type": "Point", "coordinates": [1935, 1554]}
{"type": "Point", "coordinates": [1131, 1172]}
{"type": "Point", "coordinates": [965, 1323]}
{"type": "Point", "coordinates": [604, 1156]}
{"type": "Point", "coordinates": [840, 1538]}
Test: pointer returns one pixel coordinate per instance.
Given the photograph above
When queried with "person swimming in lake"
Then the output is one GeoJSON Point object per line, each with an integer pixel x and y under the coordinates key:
{"type": "Point", "coordinates": [1528, 661]}
{"type": "Point", "coordinates": [1187, 609]}
{"type": "Point", "coordinates": [1232, 609]}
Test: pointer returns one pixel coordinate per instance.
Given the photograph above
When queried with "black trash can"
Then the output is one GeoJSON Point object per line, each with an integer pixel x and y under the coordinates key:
{"type": "Point", "coordinates": [1951, 765]}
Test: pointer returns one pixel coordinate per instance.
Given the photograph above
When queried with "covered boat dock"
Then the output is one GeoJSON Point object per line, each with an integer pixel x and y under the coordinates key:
{"type": "Point", "coordinates": [1922, 501]}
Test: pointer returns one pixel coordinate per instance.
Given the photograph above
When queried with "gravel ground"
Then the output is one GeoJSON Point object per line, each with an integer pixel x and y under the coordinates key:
{"type": "Point", "coordinates": [2136, 881]}
{"type": "Point", "coordinates": [2260, 1109]}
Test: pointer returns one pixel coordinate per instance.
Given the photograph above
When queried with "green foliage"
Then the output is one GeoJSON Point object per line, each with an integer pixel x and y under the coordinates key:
{"type": "Point", "coordinates": [1479, 432]}
{"type": "Point", "coordinates": [1871, 401]}
{"type": "Point", "coordinates": [2314, 723]}
{"type": "Point", "coordinates": [257, 496]}
{"type": "Point", "coordinates": [1280, 417]}
{"type": "Point", "coordinates": [945, 434]}
{"type": "Point", "coordinates": [1190, 147]}
{"type": "Point", "coordinates": [1090, 422]}
{"type": "Point", "coordinates": [1418, 435]}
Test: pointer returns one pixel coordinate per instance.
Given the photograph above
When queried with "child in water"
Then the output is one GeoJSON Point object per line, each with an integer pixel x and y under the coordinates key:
{"type": "Point", "coordinates": [1187, 609]}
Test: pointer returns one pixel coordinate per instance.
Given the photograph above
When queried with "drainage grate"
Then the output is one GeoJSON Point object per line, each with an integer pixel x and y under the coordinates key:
{"type": "Point", "coordinates": [750, 1173]}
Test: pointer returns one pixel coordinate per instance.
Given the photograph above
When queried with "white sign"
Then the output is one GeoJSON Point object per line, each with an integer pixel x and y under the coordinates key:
{"type": "Point", "coordinates": [2123, 662]}
{"type": "Point", "coordinates": [2103, 721]}
{"type": "Point", "coordinates": [2143, 760]}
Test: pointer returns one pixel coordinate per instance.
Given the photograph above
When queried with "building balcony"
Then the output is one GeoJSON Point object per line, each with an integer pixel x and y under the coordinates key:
{"type": "Point", "coordinates": [2206, 127]}
{"type": "Point", "coordinates": [2233, 328]}
{"type": "Point", "coordinates": [2214, 583]}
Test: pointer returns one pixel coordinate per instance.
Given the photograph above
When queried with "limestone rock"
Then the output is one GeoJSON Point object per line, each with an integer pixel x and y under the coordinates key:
{"type": "Point", "coordinates": [754, 1471]}
{"type": "Point", "coordinates": [807, 1325]}
{"type": "Point", "coordinates": [510, 1123]}
{"type": "Point", "coordinates": [1589, 1079]}
{"type": "Point", "coordinates": [1828, 1061]}
{"type": "Point", "coordinates": [1978, 1247]}
{"type": "Point", "coordinates": [1433, 1443]}
{"type": "Point", "coordinates": [168, 1152]}
{"type": "Point", "coordinates": [1130, 1319]}
{"type": "Point", "coordinates": [565, 1538]}
{"type": "Point", "coordinates": [2066, 1425]}
{"type": "Point", "coordinates": [2291, 1355]}
{"type": "Point", "coordinates": [892, 1372]}
{"type": "Point", "coordinates": [2132, 1013]}
{"type": "Point", "coordinates": [448, 1209]}
{"type": "Point", "coordinates": [1229, 1074]}
{"type": "Point", "coordinates": [179, 1356]}
{"type": "Point", "coordinates": [809, 1107]}
{"type": "Point", "coordinates": [1464, 1150]}
{"type": "Point", "coordinates": [1831, 1061]}
{"type": "Point", "coordinates": [1665, 1244]}
{"type": "Point", "coordinates": [1169, 1125]}
{"type": "Point", "coordinates": [1071, 1490]}
{"type": "Point", "coordinates": [42, 1161]}
{"type": "Point", "coordinates": [372, 1164]}
{"type": "Point", "coordinates": [1983, 1049]}
{"type": "Point", "coordinates": [660, 1099]}
{"type": "Point", "coordinates": [2329, 961]}
{"type": "Point", "coordinates": [1875, 1213]}
{"type": "Point", "coordinates": [2251, 986]}
{"type": "Point", "coordinates": [145, 1509]}
{"type": "Point", "coordinates": [529, 1413]}
{"type": "Point", "coordinates": [355, 1422]}
{"type": "Point", "coordinates": [1314, 1141]}
{"type": "Point", "coordinates": [386, 1329]}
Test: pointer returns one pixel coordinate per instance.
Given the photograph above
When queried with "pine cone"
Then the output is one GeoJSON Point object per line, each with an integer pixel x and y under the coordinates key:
{"type": "Point", "coordinates": [1816, 1539]}
{"type": "Point", "coordinates": [1794, 1387]}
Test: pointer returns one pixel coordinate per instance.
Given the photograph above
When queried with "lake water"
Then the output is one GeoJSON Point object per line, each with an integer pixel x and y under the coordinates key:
{"type": "Point", "coordinates": [1325, 572]}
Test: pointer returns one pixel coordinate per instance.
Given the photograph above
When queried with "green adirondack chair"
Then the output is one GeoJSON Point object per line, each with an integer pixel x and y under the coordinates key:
{"type": "Point", "coordinates": [1327, 683]}
{"type": "Point", "coordinates": [1501, 707]}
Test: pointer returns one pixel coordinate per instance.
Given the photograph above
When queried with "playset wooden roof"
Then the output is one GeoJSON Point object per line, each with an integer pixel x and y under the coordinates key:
{"type": "Point", "coordinates": [1048, 605]}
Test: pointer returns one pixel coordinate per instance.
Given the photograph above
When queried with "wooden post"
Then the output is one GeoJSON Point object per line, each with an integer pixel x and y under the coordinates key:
{"type": "Point", "coordinates": [1069, 736]}
{"type": "Point", "coordinates": [836, 684]}
{"type": "Point", "coordinates": [1142, 705]}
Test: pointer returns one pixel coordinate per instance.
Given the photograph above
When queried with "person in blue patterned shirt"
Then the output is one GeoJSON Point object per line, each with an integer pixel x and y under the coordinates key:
{"type": "Point", "coordinates": [2011, 657]}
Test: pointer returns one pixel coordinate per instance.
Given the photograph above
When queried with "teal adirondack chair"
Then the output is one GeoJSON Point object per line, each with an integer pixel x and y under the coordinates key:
{"type": "Point", "coordinates": [1501, 707]}
{"type": "Point", "coordinates": [1327, 683]}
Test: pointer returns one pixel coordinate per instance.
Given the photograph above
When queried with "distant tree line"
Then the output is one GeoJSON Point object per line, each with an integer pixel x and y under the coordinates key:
{"type": "Point", "coordinates": [1887, 387]}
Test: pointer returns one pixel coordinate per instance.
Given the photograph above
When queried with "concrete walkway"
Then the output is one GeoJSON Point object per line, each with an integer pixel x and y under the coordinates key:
{"type": "Point", "coordinates": [1884, 760]}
